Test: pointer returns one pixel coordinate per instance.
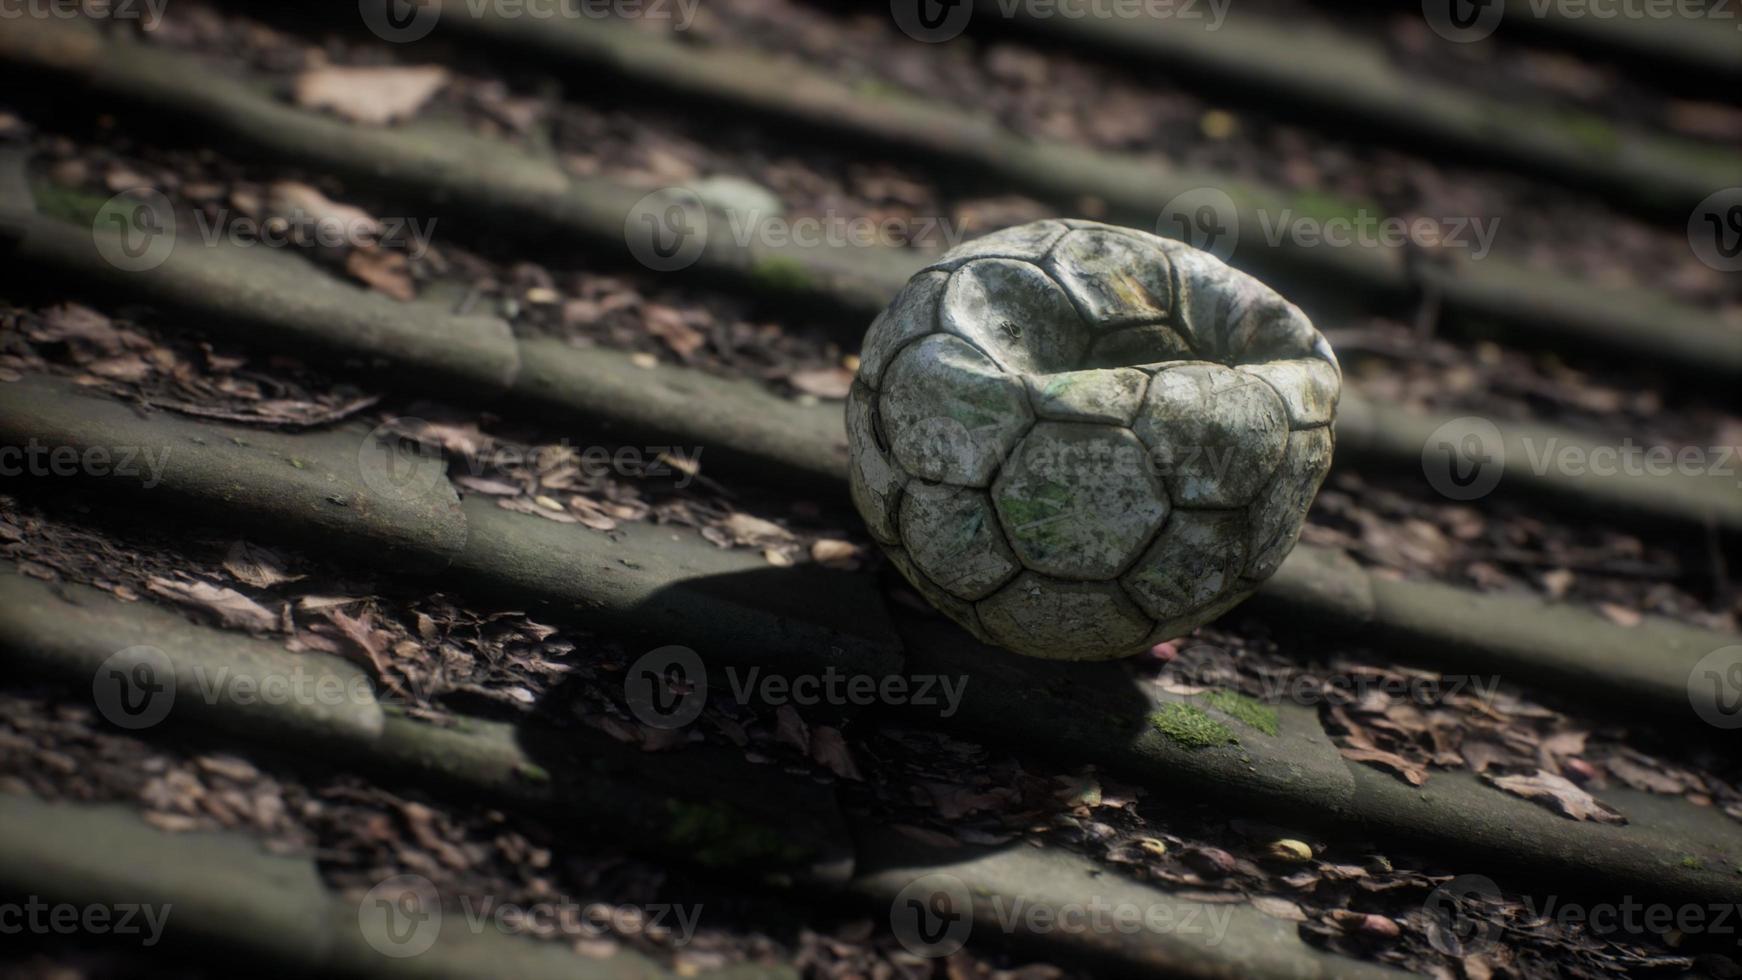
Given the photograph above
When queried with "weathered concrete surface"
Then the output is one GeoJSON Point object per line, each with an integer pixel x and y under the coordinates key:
{"type": "Point", "coordinates": [1097, 714]}
{"type": "Point", "coordinates": [310, 707]}
{"type": "Point", "coordinates": [1343, 78]}
{"type": "Point", "coordinates": [1670, 851]}
{"type": "Point", "coordinates": [1526, 640]}
{"type": "Point", "coordinates": [281, 294]}
{"type": "Point", "coordinates": [665, 585]}
{"type": "Point", "coordinates": [1164, 934]}
{"type": "Point", "coordinates": [221, 892]}
{"type": "Point", "coordinates": [1636, 323]}
{"type": "Point", "coordinates": [1084, 713]}
{"type": "Point", "coordinates": [444, 163]}
{"type": "Point", "coordinates": [219, 678]}
{"type": "Point", "coordinates": [343, 486]}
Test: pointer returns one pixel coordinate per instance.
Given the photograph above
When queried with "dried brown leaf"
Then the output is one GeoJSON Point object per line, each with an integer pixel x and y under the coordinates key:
{"type": "Point", "coordinates": [373, 96]}
{"type": "Point", "coordinates": [1559, 794]}
{"type": "Point", "coordinates": [229, 607]}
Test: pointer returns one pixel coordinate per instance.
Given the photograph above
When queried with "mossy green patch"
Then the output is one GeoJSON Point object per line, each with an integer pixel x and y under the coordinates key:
{"type": "Point", "coordinates": [66, 203]}
{"type": "Point", "coordinates": [1323, 207]}
{"type": "Point", "coordinates": [1593, 133]}
{"type": "Point", "coordinates": [1191, 726]}
{"type": "Point", "coordinates": [1243, 709]}
{"type": "Point", "coordinates": [781, 273]}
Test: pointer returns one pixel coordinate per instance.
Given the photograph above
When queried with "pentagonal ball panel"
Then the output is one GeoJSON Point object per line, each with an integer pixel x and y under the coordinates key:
{"type": "Point", "coordinates": [949, 414]}
{"type": "Point", "coordinates": [954, 538]}
{"type": "Point", "coordinates": [1217, 434]}
{"type": "Point", "coordinates": [1060, 620]}
{"type": "Point", "coordinates": [1016, 314]}
{"type": "Point", "coordinates": [1079, 499]}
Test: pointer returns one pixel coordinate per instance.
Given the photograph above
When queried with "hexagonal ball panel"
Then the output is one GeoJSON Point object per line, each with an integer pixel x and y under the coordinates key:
{"type": "Point", "coordinates": [1117, 279]}
{"type": "Point", "coordinates": [1059, 620]}
{"type": "Point", "coordinates": [1015, 314]}
{"type": "Point", "coordinates": [872, 478]}
{"type": "Point", "coordinates": [1028, 243]}
{"type": "Point", "coordinates": [1308, 386]}
{"type": "Point", "coordinates": [1150, 344]}
{"type": "Point", "coordinates": [963, 613]}
{"type": "Point", "coordinates": [1280, 511]}
{"type": "Point", "coordinates": [1217, 434]}
{"type": "Point", "coordinates": [913, 314]}
{"type": "Point", "coordinates": [1110, 396]}
{"type": "Point", "coordinates": [1197, 557]}
{"type": "Point", "coordinates": [949, 414]}
{"type": "Point", "coordinates": [1178, 626]}
{"type": "Point", "coordinates": [1078, 499]}
{"type": "Point", "coordinates": [954, 538]}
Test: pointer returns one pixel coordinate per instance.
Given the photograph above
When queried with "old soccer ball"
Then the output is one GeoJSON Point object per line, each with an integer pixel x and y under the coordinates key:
{"type": "Point", "coordinates": [1078, 440]}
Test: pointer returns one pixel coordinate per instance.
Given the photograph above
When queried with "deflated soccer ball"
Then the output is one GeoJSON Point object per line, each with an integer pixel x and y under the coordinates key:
{"type": "Point", "coordinates": [1078, 440]}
